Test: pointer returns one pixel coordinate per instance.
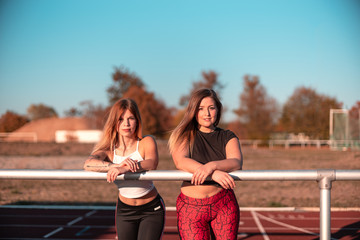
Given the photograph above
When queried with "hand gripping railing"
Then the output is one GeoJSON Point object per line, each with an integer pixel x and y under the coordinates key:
{"type": "Point", "coordinates": [324, 177]}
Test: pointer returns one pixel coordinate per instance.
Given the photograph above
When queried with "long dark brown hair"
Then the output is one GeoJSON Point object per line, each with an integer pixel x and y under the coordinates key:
{"type": "Point", "coordinates": [188, 126]}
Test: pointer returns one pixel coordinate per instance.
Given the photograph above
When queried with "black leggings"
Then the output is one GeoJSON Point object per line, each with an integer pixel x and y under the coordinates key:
{"type": "Point", "coordinates": [145, 222]}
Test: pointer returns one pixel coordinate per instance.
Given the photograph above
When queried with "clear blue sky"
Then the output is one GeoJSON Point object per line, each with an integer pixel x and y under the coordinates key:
{"type": "Point", "coordinates": [63, 52]}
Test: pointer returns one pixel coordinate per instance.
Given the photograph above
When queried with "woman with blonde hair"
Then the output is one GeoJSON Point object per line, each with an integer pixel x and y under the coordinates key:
{"type": "Point", "coordinates": [206, 205]}
{"type": "Point", "coordinates": [140, 210]}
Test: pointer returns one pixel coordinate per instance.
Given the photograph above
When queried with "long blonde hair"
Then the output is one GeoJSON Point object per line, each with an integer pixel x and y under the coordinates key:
{"type": "Point", "coordinates": [110, 137]}
{"type": "Point", "coordinates": [187, 128]}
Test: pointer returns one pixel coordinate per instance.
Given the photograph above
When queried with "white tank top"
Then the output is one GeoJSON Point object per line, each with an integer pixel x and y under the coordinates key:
{"type": "Point", "coordinates": [132, 188]}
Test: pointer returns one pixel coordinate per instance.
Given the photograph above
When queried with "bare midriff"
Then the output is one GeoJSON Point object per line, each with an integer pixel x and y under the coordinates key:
{"type": "Point", "coordinates": [141, 200]}
{"type": "Point", "coordinates": [199, 191]}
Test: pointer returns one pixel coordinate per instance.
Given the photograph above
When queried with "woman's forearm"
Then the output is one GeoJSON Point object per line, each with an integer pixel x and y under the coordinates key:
{"type": "Point", "coordinates": [227, 165]}
{"type": "Point", "coordinates": [97, 165]}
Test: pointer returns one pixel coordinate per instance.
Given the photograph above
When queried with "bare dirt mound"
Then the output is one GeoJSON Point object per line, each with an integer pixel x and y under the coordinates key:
{"type": "Point", "coordinates": [45, 128]}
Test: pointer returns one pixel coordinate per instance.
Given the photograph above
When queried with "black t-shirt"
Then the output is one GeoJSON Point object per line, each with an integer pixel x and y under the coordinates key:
{"type": "Point", "coordinates": [211, 146]}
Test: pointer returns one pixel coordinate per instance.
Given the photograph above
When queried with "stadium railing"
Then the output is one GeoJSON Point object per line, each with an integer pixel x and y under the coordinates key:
{"type": "Point", "coordinates": [324, 177]}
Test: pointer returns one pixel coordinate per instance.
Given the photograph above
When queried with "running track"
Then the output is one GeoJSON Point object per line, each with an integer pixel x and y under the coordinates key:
{"type": "Point", "coordinates": [93, 222]}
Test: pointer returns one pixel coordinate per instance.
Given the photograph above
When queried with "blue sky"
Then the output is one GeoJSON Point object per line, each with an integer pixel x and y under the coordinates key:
{"type": "Point", "coordinates": [63, 52]}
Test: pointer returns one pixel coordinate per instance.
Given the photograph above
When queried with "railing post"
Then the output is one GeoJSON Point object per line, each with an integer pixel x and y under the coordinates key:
{"type": "Point", "coordinates": [325, 178]}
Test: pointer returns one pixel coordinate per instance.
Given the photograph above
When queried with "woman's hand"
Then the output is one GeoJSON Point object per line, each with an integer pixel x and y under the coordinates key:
{"type": "Point", "coordinates": [114, 172]}
{"type": "Point", "coordinates": [224, 179]}
{"type": "Point", "coordinates": [200, 175]}
{"type": "Point", "coordinates": [131, 164]}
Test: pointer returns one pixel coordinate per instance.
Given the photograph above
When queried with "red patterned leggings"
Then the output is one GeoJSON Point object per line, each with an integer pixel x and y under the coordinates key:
{"type": "Point", "coordinates": [218, 215]}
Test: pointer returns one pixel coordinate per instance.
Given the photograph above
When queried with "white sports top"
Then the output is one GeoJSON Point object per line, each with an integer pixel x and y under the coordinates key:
{"type": "Point", "coordinates": [132, 188]}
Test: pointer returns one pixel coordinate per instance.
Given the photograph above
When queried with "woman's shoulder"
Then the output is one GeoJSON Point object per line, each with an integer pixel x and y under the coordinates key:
{"type": "Point", "coordinates": [147, 139]}
{"type": "Point", "coordinates": [228, 134]}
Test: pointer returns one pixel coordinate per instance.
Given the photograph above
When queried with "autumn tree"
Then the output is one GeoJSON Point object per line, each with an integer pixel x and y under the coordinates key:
{"type": "Point", "coordinates": [354, 121]}
{"type": "Point", "coordinates": [307, 112]}
{"type": "Point", "coordinates": [156, 117]}
{"type": "Point", "coordinates": [94, 114]}
{"type": "Point", "coordinates": [209, 80]}
{"type": "Point", "coordinates": [38, 111]}
{"type": "Point", "coordinates": [11, 121]}
{"type": "Point", "coordinates": [73, 112]}
{"type": "Point", "coordinates": [257, 112]}
{"type": "Point", "coordinates": [123, 79]}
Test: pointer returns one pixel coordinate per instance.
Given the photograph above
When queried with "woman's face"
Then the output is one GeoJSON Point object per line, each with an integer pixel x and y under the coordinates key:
{"type": "Point", "coordinates": [127, 124]}
{"type": "Point", "coordinates": [206, 115]}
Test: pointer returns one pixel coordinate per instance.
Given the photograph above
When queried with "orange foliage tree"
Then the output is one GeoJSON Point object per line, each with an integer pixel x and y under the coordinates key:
{"type": "Point", "coordinates": [123, 79]}
{"type": "Point", "coordinates": [156, 117]}
{"type": "Point", "coordinates": [209, 80]}
{"type": "Point", "coordinates": [257, 112]}
{"type": "Point", "coordinates": [307, 112]}
{"type": "Point", "coordinates": [355, 121]}
{"type": "Point", "coordinates": [11, 121]}
{"type": "Point", "coordinates": [38, 111]}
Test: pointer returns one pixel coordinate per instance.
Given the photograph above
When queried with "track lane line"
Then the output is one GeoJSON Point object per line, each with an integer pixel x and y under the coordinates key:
{"type": "Point", "coordinates": [290, 226]}
{"type": "Point", "coordinates": [53, 232]}
{"type": "Point", "coordinates": [260, 226]}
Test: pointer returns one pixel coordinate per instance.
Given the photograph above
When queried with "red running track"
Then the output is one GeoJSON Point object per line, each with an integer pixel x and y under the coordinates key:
{"type": "Point", "coordinates": [90, 222]}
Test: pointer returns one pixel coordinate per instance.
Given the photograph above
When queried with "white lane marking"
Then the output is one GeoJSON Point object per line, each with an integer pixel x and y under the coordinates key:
{"type": "Point", "coordinates": [53, 232]}
{"type": "Point", "coordinates": [286, 225]}
{"type": "Point", "coordinates": [81, 232]}
{"type": "Point", "coordinates": [290, 226]}
{"type": "Point", "coordinates": [90, 213]}
{"type": "Point", "coordinates": [260, 226]}
{"type": "Point", "coordinates": [75, 221]}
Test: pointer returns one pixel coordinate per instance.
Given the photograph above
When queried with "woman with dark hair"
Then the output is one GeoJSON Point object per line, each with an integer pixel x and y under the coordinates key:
{"type": "Point", "coordinates": [140, 210]}
{"type": "Point", "coordinates": [206, 207]}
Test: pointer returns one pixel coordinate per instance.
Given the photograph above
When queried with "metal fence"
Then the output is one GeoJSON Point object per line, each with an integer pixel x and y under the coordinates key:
{"type": "Point", "coordinates": [324, 177]}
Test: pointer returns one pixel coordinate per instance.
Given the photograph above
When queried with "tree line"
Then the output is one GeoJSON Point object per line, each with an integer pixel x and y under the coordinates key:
{"type": "Point", "coordinates": [258, 115]}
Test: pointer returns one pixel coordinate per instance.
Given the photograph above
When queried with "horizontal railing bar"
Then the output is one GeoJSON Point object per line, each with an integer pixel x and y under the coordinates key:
{"type": "Point", "coordinates": [177, 175]}
{"type": "Point", "coordinates": [347, 175]}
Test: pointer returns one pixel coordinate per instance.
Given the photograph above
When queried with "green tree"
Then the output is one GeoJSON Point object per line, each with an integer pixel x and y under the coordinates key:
{"type": "Point", "coordinates": [11, 121]}
{"type": "Point", "coordinates": [258, 112]}
{"type": "Point", "coordinates": [38, 111]}
{"type": "Point", "coordinates": [123, 79]}
{"type": "Point", "coordinates": [307, 112]}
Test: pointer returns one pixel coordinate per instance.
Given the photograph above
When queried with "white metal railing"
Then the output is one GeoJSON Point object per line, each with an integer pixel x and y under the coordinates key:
{"type": "Point", "coordinates": [287, 143]}
{"type": "Point", "coordinates": [303, 143]}
{"type": "Point", "coordinates": [324, 177]}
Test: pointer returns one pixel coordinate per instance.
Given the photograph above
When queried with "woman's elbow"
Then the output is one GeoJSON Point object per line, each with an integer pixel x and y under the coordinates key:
{"type": "Point", "coordinates": [86, 165]}
{"type": "Point", "coordinates": [177, 164]}
{"type": "Point", "coordinates": [240, 162]}
{"type": "Point", "coordinates": [154, 165]}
